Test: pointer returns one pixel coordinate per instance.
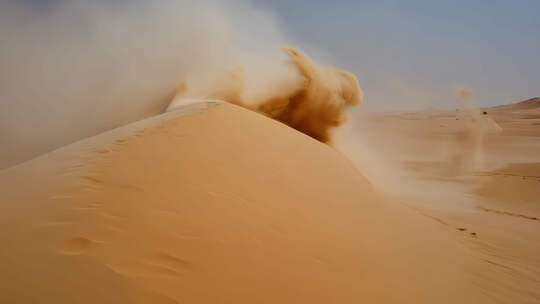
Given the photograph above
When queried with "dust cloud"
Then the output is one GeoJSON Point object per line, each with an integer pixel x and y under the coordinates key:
{"type": "Point", "coordinates": [314, 105]}
{"type": "Point", "coordinates": [422, 155]}
{"type": "Point", "coordinates": [73, 69]}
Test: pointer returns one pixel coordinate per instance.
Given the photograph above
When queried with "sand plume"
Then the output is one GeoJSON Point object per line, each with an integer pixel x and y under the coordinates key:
{"type": "Point", "coordinates": [320, 104]}
{"type": "Point", "coordinates": [313, 104]}
{"type": "Point", "coordinates": [469, 141]}
{"type": "Point", "coordinates": [119, 64]}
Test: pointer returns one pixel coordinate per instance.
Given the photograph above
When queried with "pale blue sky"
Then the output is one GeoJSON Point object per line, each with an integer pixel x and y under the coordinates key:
{"type": "Point", "coordinates": [423, 49]}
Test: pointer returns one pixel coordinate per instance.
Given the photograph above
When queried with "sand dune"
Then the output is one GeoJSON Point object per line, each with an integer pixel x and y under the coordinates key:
{"type": "Point", "coordinates": [217, 204]}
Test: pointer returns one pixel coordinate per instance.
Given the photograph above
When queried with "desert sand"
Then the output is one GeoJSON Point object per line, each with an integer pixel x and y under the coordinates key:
{"type": "Point", "coordinates": [484, 184]}
{"type": "Point", "coordinates": [213, 203]}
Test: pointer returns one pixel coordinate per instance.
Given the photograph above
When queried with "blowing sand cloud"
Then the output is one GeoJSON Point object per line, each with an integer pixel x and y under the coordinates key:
{"type": "Point", "coordinates": [469, 141]}
{"type": "Point", "coordinates": [72, 69]}
{"type": "Point", "coordinates": [314, 105]}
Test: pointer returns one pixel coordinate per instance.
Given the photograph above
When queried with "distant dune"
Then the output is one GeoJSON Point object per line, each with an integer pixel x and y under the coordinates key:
{"type": "Point", "coordinates": [529, 104]}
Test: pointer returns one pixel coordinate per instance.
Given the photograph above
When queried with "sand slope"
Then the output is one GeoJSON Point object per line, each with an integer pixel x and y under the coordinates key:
{"type": "Point", "coordinates": [221, 205]}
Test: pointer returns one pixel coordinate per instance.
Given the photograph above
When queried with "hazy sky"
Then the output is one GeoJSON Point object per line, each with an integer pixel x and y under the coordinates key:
{"type": "Point", "coordinates": [70, 69]}
{"type": "Point", "coordinates": [418, 51]}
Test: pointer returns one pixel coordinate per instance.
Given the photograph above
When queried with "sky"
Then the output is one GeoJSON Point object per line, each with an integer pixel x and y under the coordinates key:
{"type": "Point", "coordinates": [417, 53]}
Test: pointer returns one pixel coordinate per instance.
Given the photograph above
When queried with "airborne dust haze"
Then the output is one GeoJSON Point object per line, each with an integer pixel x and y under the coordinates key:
{"type": "Point", "coordinates": [73, 69]}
